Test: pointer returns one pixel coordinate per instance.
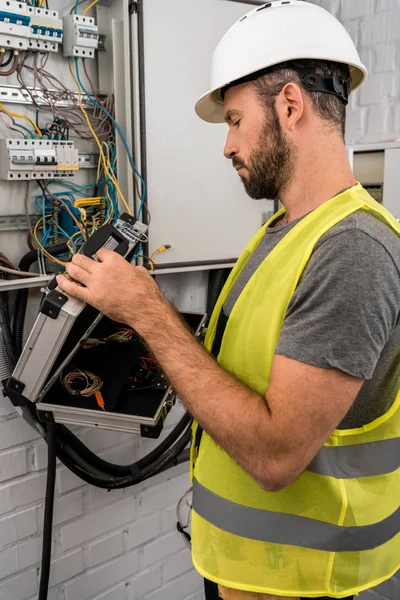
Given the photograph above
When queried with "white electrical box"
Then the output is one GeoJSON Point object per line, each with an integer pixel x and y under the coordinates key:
{"type": "Point", "coordinates": [37, 159]}
{"type": "Point", "coordinates": [14, 25]}
{"type": "Point", "coordinates": [376, 167]}
{"type": "Point", "coordinates": [46, 29]}
{"type": "Point", "coordinates": [81, 36]}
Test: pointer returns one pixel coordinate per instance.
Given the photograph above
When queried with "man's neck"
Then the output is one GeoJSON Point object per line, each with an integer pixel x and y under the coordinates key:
{"type": "Point", "coordinates": [320, 174]}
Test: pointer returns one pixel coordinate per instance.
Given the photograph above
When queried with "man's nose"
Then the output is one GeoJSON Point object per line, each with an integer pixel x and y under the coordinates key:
{"type": "Point", "coordinates": [231, 148]}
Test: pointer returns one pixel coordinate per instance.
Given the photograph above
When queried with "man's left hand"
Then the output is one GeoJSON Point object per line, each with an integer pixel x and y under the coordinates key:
{"type": "Point", "coordinates": [121, 291]}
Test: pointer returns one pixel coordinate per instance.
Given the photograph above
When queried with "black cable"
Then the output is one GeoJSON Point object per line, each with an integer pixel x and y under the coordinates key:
{"type": "Point", "coordinates": [8, 340]}
{"type": "Point", "coordinates": [8, 61]}
{"type": "Point", "coordinates": [48, 511]}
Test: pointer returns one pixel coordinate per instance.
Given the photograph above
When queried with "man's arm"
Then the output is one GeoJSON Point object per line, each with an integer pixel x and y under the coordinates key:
{"type": "Point", "coordinates": [272, 438]}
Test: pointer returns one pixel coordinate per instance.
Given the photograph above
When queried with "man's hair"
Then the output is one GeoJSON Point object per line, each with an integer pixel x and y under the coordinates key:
{"type": "Point", "coordinates": [328, 106]}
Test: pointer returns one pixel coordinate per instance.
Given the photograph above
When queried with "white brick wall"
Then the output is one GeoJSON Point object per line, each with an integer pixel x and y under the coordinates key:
{"type": "Point", "coordinates": [123, 545]}
{"type": "Point", "coordinates": [374, 25]}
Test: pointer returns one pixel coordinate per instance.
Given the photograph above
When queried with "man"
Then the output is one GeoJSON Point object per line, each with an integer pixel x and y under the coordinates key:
{"type": "Point", "coordinates": [296, 490]}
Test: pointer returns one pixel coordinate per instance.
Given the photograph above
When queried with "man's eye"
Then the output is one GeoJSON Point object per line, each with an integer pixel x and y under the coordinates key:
{"type": "Point", "coordinates": [237, 123]}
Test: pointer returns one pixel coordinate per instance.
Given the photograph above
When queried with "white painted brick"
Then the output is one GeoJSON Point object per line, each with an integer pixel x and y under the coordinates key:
{"type": "Point", "coordinates": [97, 523]}
{"type": "Point", "coordinates": [106, 548]}
{"type": "Point", "coordinates": [380, 119]}
{"type": "Point", "coordinates": [353, 29]}
{"type": "Point", "coordinates": [397, 118]}
{"type": "Point", "coordinates": [116, 593]}
{"type": "Point", "coordinates": [160, 548]}
{"type": "Point", "coordinates": [15, 431]}
{"type": "Point", "coordinates": [162, 495]}
{"type": "Point", "coordinates": [53, 594]}
{"type": "Point", "coordinates": [20, 587]}
{"type": "Point", "coordinates": [66, 567]}
{"type": "Point", "coordinates": [8, 562]}
{"type": "Point", "coordinates": [178, 589]}
{"type": "Point", "coordinates": [385, 27]}
{"type": "Point", "coordinates": [368, 58]}
{"type": "Point", "coordinates": [67, 481]}
{"type": "Point", "coordinates": [22, 492]}
{"type": "Point", "coordinates": [355, 124]}
{"type": "Point", "coordinates": [96, 580]}
{"type": "Point", "coordinates": [29, 552]}
{"type": "Point", "coordinates": [387, 4]}
{"type": "Point", "coordinates": [144, 583]}
{"type": "Point", "coordinates": [198, 596]}
{"type": "Point", "coordinates": [66, 508]}
{"type": "Point", "coordinates": [378, 87]}
{"type": "Point", "coordinates": [331, 6]}
{"type": "Point", "coordinates": [100, 439]}
{"type": "Point", "coordinates": [17, 527]}
{"type": "Point", "coordinates": [168, 518]}
{"type": "Point", "coordinates": [175, 565]}
{"type": "Point", "coordinates": [13, 464]}
{"type": "Point", "coordinates": [96, 498]}
{"type": "Point", "coordinates": [143, 530]}
{"type": "Point", "coordinates": [385, 58]}
{"type": "Point", "coordinates": [6, 408]}
{"type": "Point", "coordinates": [356, 8]}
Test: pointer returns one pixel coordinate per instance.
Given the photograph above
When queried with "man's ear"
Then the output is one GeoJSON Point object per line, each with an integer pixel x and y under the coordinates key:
{"type": "Point", "coordinates": [290, 106]}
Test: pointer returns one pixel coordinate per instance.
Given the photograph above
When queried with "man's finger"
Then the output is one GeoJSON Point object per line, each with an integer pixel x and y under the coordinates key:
{"type": "Point", "coordinates": [78, 273]}
{"type": "Point", "coordinates": [72, 288]}
{"type": "Point", "coordinates": [84, 262]}
{"type": "Point", "coordinates": [105, 253]}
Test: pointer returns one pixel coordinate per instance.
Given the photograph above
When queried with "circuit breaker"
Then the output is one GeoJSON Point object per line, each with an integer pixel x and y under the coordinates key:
{"type": "Point", "coordinates": [37, 159]}
{"type": "Point", "coordinates": [81, 36]}
{"type": "Point", "coordinates": [46, 29]}
{"type": "Point", "coordinates": [14, 25]}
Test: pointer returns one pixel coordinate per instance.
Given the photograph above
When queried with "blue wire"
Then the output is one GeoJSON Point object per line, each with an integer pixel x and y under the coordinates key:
{"type": "Point", "coordinates": [121, 133]}
{"type": "Point", "coordinates": [76, 7]}
{"type": "Point", "coordinates": [30, 133]}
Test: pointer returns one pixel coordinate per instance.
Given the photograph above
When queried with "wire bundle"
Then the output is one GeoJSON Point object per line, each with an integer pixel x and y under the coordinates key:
{"type": "Point", "coordinates": [81, 383]}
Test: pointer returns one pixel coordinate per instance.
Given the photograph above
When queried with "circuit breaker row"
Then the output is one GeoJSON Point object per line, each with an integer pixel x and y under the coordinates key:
{"type": "Point", "coordinates": [23, 27]}
{"type": "Point", "coordinates": [37, 159]}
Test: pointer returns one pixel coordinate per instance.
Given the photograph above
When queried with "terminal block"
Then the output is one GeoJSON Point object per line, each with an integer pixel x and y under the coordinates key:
{"type": "Point", "coordinates": [14, 25]}
{"type": "Point", "coordinates": [37, 159]}
{"type": "Point", "coordinates": [81, 36]}
{"type": "Point", "coordinates": [46, 29]}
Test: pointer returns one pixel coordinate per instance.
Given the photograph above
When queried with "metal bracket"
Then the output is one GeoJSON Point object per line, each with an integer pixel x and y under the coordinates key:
{"type": "Point", "coordinates": [53, 303]}
{"type": "Point", "coordinates": [89, 160]}
{"type": "Point", "coordinates": [16, 222]}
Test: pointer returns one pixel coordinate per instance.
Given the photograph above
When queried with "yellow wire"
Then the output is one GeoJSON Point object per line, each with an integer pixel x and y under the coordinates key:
{"type": "Point", "coordinates": [102, 157]}
{"type": "Point", "coordinates": [89, 7]}
{"type": "Point", "coordinates": [22, 117]}
{"type": "Point", "coordinates": [49, 256]}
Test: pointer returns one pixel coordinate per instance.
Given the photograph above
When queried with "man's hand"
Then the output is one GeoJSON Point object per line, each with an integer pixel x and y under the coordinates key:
{"type": "Point", "coordinates": [124, 293]}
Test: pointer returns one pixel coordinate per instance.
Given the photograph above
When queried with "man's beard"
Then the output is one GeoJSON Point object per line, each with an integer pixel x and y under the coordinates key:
{"type": "Point", "coordinates": [271, 165]}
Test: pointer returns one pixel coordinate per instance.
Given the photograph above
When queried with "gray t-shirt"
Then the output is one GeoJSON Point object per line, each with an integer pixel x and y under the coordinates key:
{"type": "Point", "coordinates": [345, 312]}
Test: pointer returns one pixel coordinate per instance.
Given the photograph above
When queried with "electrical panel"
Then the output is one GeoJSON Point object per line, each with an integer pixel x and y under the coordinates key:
{"type": "Point", "coordinates": [37, 159]}
{"type": "Point", "coordinates": [14, 25]}
{"type": "Point", "coordinates": [81, 36]}
{"type": "Point", "coordinates": [46, 29]}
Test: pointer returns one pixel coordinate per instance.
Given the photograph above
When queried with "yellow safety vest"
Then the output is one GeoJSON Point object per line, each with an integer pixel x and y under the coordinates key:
{"type": "Point", "coordinates": [335, 530]}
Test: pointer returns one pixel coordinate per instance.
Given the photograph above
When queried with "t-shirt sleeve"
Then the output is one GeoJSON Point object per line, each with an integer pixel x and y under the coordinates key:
{"type": "Point", "coordinates": [345, 307]}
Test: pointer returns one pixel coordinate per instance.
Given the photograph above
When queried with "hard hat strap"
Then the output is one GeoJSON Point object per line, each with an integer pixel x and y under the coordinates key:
{"type": "Point", "coordinates": [313, 82]}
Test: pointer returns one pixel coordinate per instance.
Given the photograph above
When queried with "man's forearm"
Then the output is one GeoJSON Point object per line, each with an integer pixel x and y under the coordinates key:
{"type": "Point", "coordinates": [233, 415]}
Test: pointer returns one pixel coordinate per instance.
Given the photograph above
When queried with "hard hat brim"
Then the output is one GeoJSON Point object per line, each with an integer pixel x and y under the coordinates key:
{"type": "Point", "coordinates": [210, 107]}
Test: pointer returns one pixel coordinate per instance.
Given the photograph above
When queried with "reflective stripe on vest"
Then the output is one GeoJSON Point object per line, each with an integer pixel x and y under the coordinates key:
{"type": "Point", "coordinates": [360, 460]}
{"type": "Point", "coordinates": [293, 530]}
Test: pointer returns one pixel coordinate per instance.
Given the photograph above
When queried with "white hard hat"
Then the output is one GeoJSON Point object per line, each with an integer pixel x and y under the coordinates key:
{"type": "Point", "coordinates": [275, 33]}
